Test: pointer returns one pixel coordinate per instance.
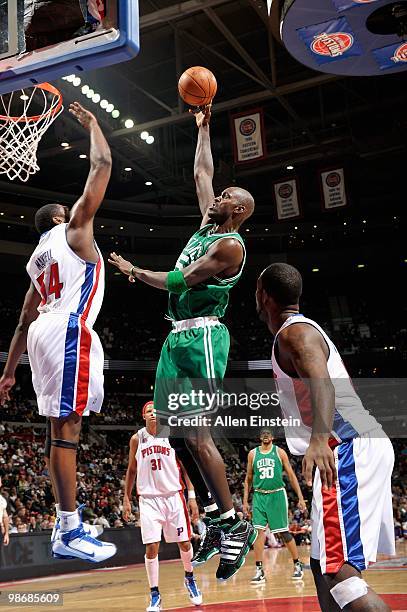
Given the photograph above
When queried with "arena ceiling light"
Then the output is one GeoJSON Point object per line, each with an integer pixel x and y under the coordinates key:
{"type": "Point", "coordinates": [96, 98]}
{"type": "Point", "coordinates": [83, 156]}
{"type": "Point", "coordinates": [90, 93]}
{"type": "Point", "coordinates": [110, 109]}
{"type": "Point", "coordinates": [148, 183]}
{"type": "Point", "coordinates": [23, 97]}
{"type": "Point", "coordinates": [85, 89]}
{"type": "Point", "coordinates": [150, 139]}
{"type": "Point", "coordinates": [144, 135]}
{"type": "Point", "coordinates": [361, 265]}
{"type": "Point", "coordinates": [151, 229]}
{"type": "Point", "coordinates": [65, 145]}
{"type": "Point", "coordinates": [315, 269]}
{"type": "Point", "coordinates": [128, 169]}
{"type": "Point", "coordinates": [104, 104]}
{"type": "Point", "coordinates": [115, 113]}
{"type": "Point", "coordinates": [129, 123]}
{"type": "Point", "coordinates": [290, 167]}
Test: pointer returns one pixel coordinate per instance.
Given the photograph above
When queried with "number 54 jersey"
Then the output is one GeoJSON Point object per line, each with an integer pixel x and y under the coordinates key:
{"type": "Point", "coordinates": [65, 353]}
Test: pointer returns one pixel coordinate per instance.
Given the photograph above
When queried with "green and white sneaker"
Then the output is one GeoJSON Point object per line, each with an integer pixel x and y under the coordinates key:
{"type": "Point", "coordinates": [235, 546]}
{"type": "Point", "coordinates": [210, 543]}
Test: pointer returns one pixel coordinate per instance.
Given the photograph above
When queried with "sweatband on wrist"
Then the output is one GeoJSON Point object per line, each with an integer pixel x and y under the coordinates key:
{"type": "Point", "coordinates": [175, 282]}
{"type": "Point", "coordinates": [191, 495]}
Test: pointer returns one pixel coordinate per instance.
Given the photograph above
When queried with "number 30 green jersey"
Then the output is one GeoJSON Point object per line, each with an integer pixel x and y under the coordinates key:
{"type": "Point", "coordinates": [212, 296]}
{"type": "Point", "coordinates": [267, 470]}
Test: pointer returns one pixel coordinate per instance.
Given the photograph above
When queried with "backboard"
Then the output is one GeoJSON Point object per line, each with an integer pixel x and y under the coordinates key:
{"type": "Point", "coordinates": [40, 42]}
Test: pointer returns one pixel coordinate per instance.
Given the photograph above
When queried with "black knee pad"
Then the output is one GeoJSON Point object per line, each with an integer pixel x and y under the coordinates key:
{"type": "Point", "coordinates": [64, 444]}
{"type": "Point", "coordinates": [47, 449]}
{"type": "Point", "coordinates": [286, 536]}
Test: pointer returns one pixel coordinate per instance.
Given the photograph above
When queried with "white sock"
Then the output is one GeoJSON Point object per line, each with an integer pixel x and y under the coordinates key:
{"type": "Point", "coordinates": [211, 508]}
{"type": "Point", "coordinates": [69, 520]}
{"type": "Point", "coordinates": [152, 571]}
{"type": "Point", "coordinates": [229, 514]}
{"type": "Point", "coordinates": [186, 559]}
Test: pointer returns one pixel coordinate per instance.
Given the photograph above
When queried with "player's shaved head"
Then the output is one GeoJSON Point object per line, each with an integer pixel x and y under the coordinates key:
{"type": "Point", "coordinates": [50, 215]}
{"type": "Point", "coordinates": [246, 199]}
{"type": "Point", "coordinates": [232, 207]}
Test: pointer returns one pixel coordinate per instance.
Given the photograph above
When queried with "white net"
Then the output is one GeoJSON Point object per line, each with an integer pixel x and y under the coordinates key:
{"type": "Point", "coordinates": [21, 130]}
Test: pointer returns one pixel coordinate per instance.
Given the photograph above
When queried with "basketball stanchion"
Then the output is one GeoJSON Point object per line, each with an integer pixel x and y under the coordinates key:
{"type": "Point", "coordinates": [21, 130]}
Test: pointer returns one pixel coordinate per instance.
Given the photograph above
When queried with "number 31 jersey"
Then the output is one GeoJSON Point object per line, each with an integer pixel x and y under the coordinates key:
{"type": "Point", "coordinates": [66, 283]}
{"type": "Point", "coordinates": [158, 472]}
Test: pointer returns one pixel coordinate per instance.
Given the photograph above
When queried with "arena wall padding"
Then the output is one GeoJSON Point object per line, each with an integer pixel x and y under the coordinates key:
{"type": "Point", "coordinates": [29, 555]}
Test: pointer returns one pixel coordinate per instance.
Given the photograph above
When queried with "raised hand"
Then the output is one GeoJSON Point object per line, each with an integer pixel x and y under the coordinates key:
{"type": "Point", "coordinates": [202, 115]}
{"type": "Point", "coordinates": [85, 117]}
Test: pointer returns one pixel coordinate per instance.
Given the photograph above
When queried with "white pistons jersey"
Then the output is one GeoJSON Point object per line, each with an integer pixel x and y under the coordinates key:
{"type": "Point", "coordinates": [65, 353]}
{"type": "Point", "coordinates": [67, 283]}
{"type": "Point", "coordinates": [351, 419]}
{"type": "Point", "coordinates": [158, 472]}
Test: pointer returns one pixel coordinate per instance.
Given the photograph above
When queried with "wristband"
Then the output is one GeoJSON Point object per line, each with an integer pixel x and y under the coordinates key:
{"type": "Point", "coordinates": [131, 272]}
{"type": "Point", "coordinates": [175, 282]}
{"type": "Point", "coordinates": [191, 494]}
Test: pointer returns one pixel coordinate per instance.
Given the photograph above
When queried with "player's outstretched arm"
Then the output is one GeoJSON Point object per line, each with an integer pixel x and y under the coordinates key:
{"type": "Point", "coordinates": [18, 345]}
{"type": "Point", "coordinates": [308, 353]}
{"type": "Point", "coordinates": [225, 256]}
{"type": "Point", "coordinates": [80, 227]}
{"type": "Point", "coordinates": [248, 483]}
{"type": "Point", "coordinates": [130, 477]}
{"type": "Point", "coordinates": [203, 165]}
{"type": "Point", "coordinates": [292, 478]}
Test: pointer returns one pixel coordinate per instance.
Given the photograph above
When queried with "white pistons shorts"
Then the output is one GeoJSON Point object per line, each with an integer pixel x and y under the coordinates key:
{"type": "Point", "coordinates": [167, 513]}
{"type": "Point", "coordinates": [66, 359]}
{"type": "Point", "coordinates": [353, 521]}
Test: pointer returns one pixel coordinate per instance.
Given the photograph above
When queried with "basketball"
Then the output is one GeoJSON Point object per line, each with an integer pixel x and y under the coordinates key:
{"type": "Point", "coordinates": [197, 86]}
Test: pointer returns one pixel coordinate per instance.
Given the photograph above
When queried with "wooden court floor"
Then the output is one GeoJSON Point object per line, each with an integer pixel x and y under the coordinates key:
{"type": "Point", "coordinates": [125, 589]}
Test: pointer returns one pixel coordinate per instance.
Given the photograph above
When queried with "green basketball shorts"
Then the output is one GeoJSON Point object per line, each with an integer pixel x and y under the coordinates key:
{"type": "Point", "coordinates": [192, 360]}
{"type": "Point", "coordinates": [270, 509]}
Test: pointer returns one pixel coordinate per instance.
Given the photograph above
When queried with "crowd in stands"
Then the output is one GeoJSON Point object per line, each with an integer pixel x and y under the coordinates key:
{"type": "Point", "coordinates": [101, 471]}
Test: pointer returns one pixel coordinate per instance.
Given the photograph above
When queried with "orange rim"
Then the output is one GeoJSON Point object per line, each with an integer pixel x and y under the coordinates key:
{"type": "Point", "coordinates": [53, 111]}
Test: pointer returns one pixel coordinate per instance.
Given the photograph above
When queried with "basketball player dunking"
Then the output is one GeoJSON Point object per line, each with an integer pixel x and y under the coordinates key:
{"type": "Point", "coordinates": [352, 515]}
{"type": "Point", "coordinates": [56, 327]}
{"type": "Point", "coordinates": [198, 345]}
{"type": "Point", "coordinates": [154, 466]}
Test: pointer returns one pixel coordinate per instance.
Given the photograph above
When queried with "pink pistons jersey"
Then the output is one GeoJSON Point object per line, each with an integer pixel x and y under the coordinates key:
{"type": "Point", "coordinates": [351, 419]}
{"type": "Point", "coordinates": [157, 467]}
{"type": "Point", "coordinates": [67, 283]}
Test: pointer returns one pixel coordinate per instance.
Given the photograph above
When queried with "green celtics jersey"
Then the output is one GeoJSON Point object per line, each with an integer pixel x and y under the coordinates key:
{"type": "Point", "coordinates": [267, 470]}
{"type": "Point", "coordinates": [212, 296]}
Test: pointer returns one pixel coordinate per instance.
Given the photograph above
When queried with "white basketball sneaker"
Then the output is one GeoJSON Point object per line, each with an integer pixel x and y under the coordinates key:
{"type": "Point", "coordinates": [77, 544]}
{"type": "Point", "coordinates": [93, 530]}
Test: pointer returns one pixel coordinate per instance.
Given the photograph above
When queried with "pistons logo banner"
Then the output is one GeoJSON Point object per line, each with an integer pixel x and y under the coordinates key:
{"type": "Point", "coordinates": [333, 188]}
{"type": "Point", "coordinates": [330, 41]}
{"type": "Point", "coordinates": [286, 195]}
{"type": "Point", "coordinates": [392, 56]}
{"type": "Point", "coordinates": [248, 136]}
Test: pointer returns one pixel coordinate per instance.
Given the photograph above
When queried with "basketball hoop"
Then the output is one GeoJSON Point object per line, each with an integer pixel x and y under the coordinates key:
{"type": "Point", "coordinates": [21, 132]}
